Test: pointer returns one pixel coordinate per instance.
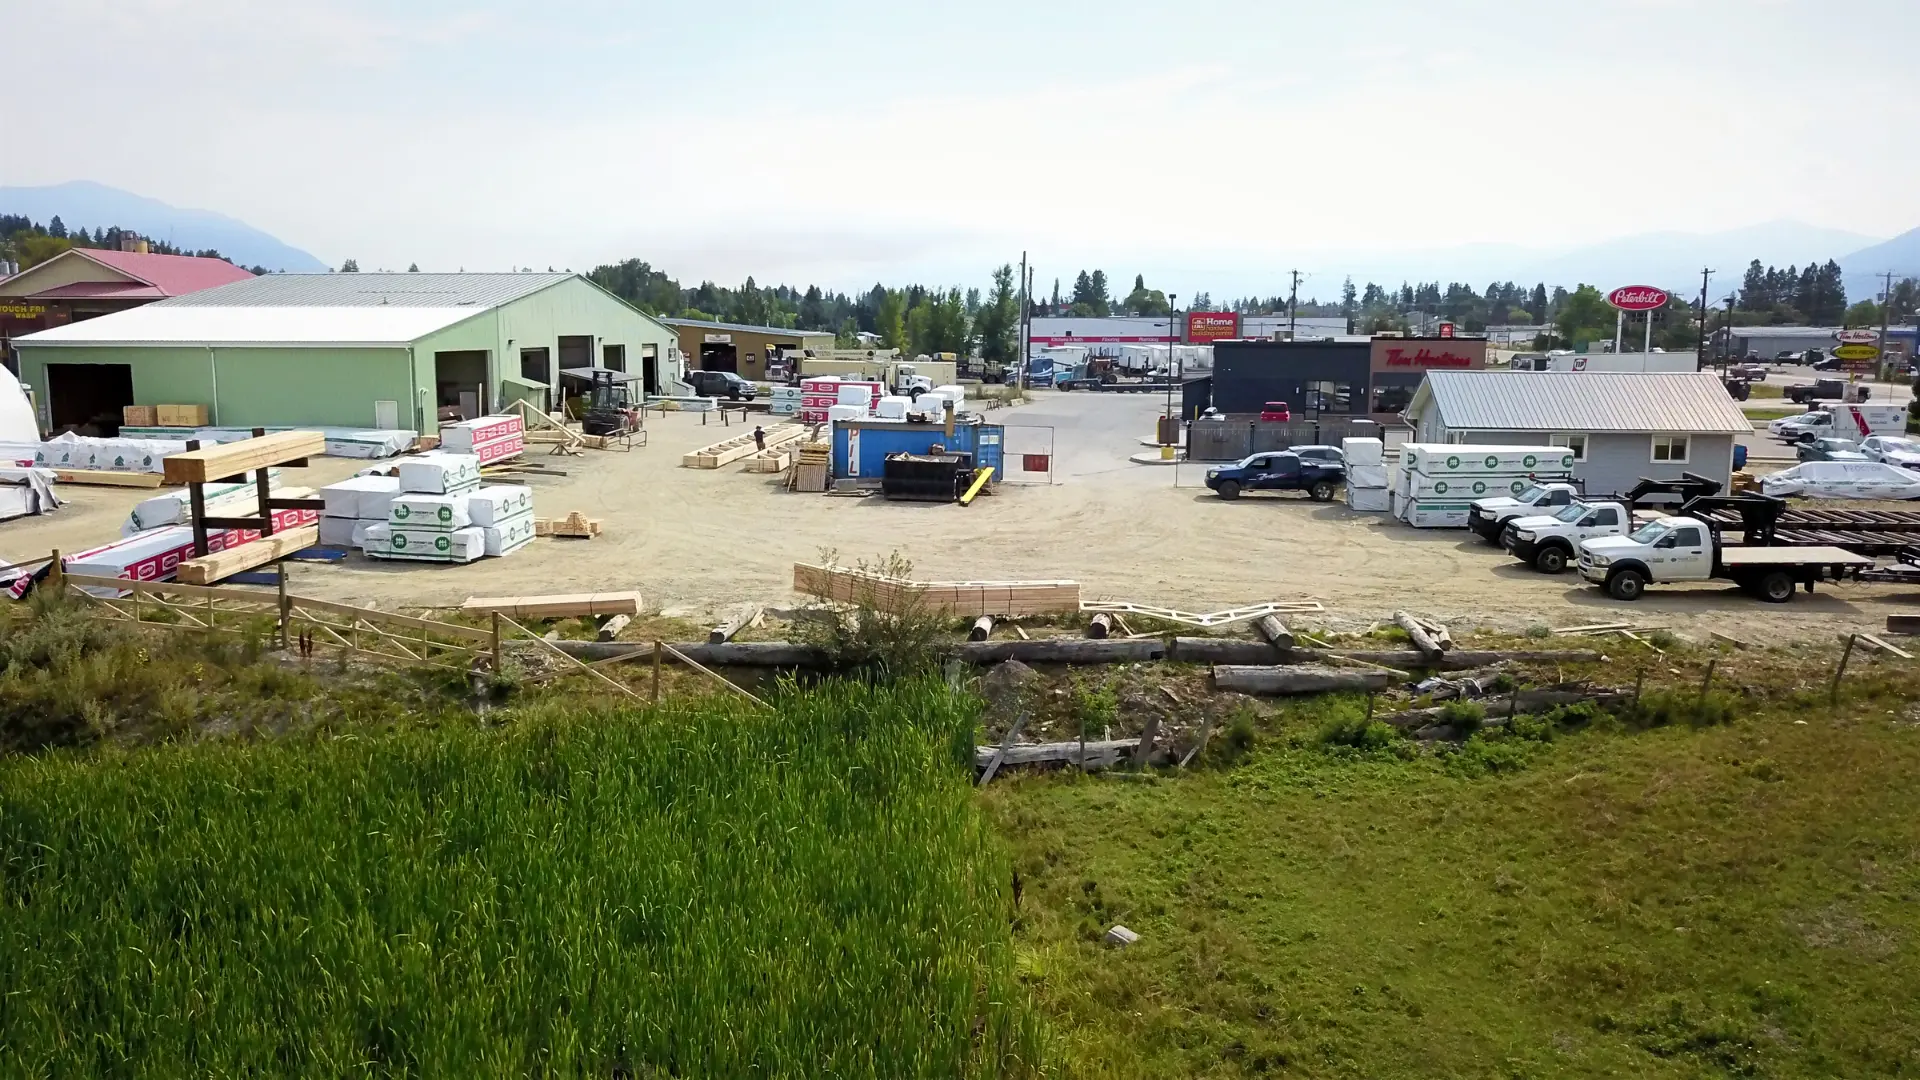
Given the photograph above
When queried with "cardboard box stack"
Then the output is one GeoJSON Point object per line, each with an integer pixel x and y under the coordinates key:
{"type": "Point", "coordinates": [438, 512]}
{"type": "Point", "coordinates": [1366, 475]}
{"type": "Point", "coordinates": [1436, 483]}
{"type": "Point", "coordinates": [490, 438]}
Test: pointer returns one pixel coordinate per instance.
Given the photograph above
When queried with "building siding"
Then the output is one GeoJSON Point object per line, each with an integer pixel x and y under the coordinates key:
{"type": "Point", "coordinates": [1616, 462]}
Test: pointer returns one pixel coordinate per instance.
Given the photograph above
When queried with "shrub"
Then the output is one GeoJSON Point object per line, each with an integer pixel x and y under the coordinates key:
{"type": "Point", "coordinates": [1236, 743]}
{"type": "Point", "coordinates": [1659, 708]}
{"type": "Point", "coordinates": [1465, 717]}
{"type": "Point", "coordinates": [1480, 756]}
{"type": "Point", "coordinates": [899, 639]}
{"type": "Point", "coordinates": [1358, 733]}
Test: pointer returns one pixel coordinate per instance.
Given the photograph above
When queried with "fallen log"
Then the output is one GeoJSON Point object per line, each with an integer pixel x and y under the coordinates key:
{"type": "Point", "coordinates": [1063, 651]}
{"type": "Point", "coordinates": [611, 626]}
{"type": "Point", "coordinates": [1098, 754]}
{"type": "Point", "coordinates": [1506, 705]}
{"type": "Point", "coordinates": [1305, 679]}
{"type": "Point", "coordinates": [982, 629]}
{"type": "Point", "coordinates": [1903, 624]}
{"type": "Point", "coordinates": [1202, 650]}
{"type": "Point", "coordinates": [1417, 634]}
{"type": "Point", "coordinates": [1100, 626]}
{"type": "Point", "coordinates": [1273, 631]}
{"type": "Point", "coordinates": [741, 619]}
{"type": "Point", "coordinates": [1461, 660]}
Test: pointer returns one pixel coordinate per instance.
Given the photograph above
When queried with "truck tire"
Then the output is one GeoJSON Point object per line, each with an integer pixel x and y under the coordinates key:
{"type": "Point", "coordinates": [1064, 386]}
{"type": "Point", "coordinates": [1626, 584]}
{"type": "Point", "coordinates": [1775, 587]}
{"type": "Point", "coordinates": [1550, 560]}
{"type": "Point", "coordinates": [1321, 491]}
{"type": "Point", "coordinates": [1229, 489]}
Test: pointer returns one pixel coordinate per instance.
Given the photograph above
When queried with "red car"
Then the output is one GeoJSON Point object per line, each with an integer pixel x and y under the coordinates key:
{"type": "Point", "coordinates": [1276, 411]}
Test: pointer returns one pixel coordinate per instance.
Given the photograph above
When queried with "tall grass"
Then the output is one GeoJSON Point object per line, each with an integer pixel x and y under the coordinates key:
{"type": "Point", "coordinates": [702, 892]}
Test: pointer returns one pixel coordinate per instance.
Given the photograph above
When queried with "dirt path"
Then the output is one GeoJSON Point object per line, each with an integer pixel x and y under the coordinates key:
{"type": "Point", "coordinates": [695, 541]}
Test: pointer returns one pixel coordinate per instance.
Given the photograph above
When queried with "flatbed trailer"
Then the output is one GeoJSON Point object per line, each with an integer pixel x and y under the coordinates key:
{"type": "Point", "coordinates": [1143, 387]}
{"type": "Point", "coordinates": [1891, 533]}
{"type": "Point", "coordinates": [1701, 544]}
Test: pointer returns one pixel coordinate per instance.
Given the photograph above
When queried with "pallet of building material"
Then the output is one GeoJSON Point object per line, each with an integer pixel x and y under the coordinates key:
{"type": "Point", "coordinates": [103, 478]}
{"type": "Point", "coordinates": [575, 526]}
{"type": "Point", "coordinates": [224, 564]}
{"type": "Point", "coordinates": [561, 606]}
{"type": "Point", "coordinates": [809, 478]}
{"type": "Point", "coordinates": [232, 459]}
{"type": "Point", "coordinates": [970, 598]}
{"type": "Point", "coordinates": [770, 461]}
{"type": "Point", "coordinates": [728, 451]}
{"type": "Point", "coordinates": [1215, 618]}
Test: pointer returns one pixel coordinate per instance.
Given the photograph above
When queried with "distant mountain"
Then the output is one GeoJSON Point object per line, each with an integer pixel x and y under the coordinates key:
{"type": "Point", "coordinates": [1672, 260]}
{"type": "Point", "coordinates": [89, 205]}
{"type": "Point", "coordinates": [1862, 270]}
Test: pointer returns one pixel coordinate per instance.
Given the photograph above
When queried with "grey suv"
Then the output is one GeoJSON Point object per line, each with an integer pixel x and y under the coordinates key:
{"type": "Point", "coordinates": [724, 384]}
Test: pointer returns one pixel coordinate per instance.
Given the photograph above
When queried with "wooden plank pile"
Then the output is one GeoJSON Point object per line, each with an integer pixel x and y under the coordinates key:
{"type": "Point", "coordinates": [218, 565]}
{"type": "Point", "coordinates": [575, 526]}
{"type": "Point", "coordinates": [728, 451]}
{"type": "Point", "coordinates": [969, 598]}
{"type": "Point", "coordinates": [108, 479]}
{"type": "Point", "coordinates": [557, 606]}
{"type": "Point", "coordinates": [232, 459]}
{"type": "Point", "coordinates": [811, 468]}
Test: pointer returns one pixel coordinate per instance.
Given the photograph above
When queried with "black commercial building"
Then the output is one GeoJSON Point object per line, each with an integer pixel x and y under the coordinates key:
{"type": "Point", "coordinates": [1314, 378]}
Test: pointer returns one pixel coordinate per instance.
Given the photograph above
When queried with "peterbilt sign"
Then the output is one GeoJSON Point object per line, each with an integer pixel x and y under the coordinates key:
{"type": "Point", "coordinates": [1638, 298]}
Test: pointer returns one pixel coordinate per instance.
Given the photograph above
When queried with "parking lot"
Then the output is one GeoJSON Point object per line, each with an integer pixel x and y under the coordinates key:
{"type": "Point", "coordinates": [696, 541]}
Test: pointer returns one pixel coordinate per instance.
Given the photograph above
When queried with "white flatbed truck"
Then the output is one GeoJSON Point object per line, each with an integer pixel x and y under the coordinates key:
{"type": "Point", "coordinates": [1687, 549]}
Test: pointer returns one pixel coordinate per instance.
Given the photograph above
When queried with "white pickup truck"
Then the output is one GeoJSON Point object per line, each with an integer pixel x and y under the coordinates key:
{"type": "Point", "coordinates": [1844, 421]}
{"type": "Point", "coordinates": [1489, 517]}
{"type": "Point", "coordinates": [1682, 549]}
{"type": "Point", "coordinates": [1549, 543]}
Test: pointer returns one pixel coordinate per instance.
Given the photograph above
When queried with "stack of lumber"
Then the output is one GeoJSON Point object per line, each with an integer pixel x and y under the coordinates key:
{"type": "Point", "coordinates": [730, 450]}
{"type": "Point", "coordinates": [563, 606]}
{"type": "Point", "coordinates": [489, 438]}
{"type": "Point", "coordinates": [969, 598]}
{"type": "Point", "coordinates": [576, 526]}
{"type": "Point", "coordinates": [811, 468]}
{"type": "Point", "coordinates": [218, 565]}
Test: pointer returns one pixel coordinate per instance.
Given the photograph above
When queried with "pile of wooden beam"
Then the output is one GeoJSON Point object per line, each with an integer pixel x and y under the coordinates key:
{"type": "Point", "coordinates": [969, 598]}
{"type": "Point", "coordinates": [575, 526]}
{"type": "Point", "coordinates": [811, 468]}
{"type": "Point", "coordinates": [769, 461]}
{"type": "Point", "coordinates": [562, 606]}
{"type": "Point", "coordinates": [730, 450]}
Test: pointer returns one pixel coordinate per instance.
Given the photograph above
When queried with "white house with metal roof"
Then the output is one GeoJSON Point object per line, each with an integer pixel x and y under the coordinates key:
{"type": "Point", "coordinates": [1621, 426]}
{"type": "Point", "coordinates": [345, 350]}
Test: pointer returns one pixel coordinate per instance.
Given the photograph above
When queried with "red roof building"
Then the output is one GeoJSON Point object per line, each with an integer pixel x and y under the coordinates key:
{"type": "Point", "coordinates": [81, 283]}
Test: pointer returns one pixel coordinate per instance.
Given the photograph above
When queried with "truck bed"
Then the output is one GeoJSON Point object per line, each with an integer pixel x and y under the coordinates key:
{"type": "Point", "coordinates": [1790, 556]}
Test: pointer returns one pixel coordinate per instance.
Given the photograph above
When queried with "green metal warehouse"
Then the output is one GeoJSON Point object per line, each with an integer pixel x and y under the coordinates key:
{"type": "Point", "coordinates": [345, 350]}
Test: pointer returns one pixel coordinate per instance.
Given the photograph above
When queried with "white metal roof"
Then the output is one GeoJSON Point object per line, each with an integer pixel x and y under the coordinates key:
{"type": "Point", "coordinates": [162, 324]}
{"type": "Point", "coordinates": [1689, 402]}
{"type": "Point", "coordinates": [372, 290]}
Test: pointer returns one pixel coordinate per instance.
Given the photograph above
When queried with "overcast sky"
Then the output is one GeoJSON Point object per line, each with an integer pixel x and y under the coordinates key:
{"type": "Point", "coordinates": [845, 141]}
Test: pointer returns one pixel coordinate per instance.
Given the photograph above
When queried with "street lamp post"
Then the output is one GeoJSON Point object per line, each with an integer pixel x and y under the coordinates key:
{"type": "Point", "coordinates": [1173, 313]}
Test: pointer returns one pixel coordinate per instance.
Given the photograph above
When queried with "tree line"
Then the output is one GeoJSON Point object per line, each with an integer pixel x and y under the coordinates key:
{"type": "Point", "coordinates": [30, 243]}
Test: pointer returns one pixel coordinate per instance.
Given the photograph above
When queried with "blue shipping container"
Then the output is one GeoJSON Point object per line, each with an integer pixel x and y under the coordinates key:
{"type": "Point", "coordinates": [860, 447]}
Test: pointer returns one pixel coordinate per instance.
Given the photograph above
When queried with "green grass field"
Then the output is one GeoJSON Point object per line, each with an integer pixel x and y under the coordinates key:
{"type": "Point", "coordinates": [707, 891]}
{"type": "Point", "coordinates": [1771, 412]}
{"type": "Point", "coordinates": [1736, 900]}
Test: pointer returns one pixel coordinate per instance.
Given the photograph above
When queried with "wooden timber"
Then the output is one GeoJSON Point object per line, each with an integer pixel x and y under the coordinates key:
{"type": "Point", "coordinates": [968, 598]}
{"type": "Point", "coordinates": [557, 606]}
{"type": "Point", "coordinates": [232, 459]}
{"type": "Point", "coordinates": [1310, 679]}
{"type": "Point", "coordinates": [109, 479]}
{"type": "Point", "coordinates": [212, 567]}
{"type": "Point", "coordinates": [1903, 624]}
{"type": "Point", "coordinates": [1090, 755]}
{"type": "Point", "coordinates": [727, 451]}
{"type": "Point", "coordinates": [1274, 631]}
{"type": "Point", "coordinates": [743, 618]}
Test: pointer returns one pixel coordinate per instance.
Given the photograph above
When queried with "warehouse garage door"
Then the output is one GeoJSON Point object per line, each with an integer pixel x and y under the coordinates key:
{"type": "Point", "coordinates": [460, 383]}
{"type": "Point", "coordinates": [87, 398]}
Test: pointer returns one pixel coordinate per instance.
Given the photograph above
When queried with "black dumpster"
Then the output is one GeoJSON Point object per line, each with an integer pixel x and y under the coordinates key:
{"type": "Point", "coordinates": [926, 477]}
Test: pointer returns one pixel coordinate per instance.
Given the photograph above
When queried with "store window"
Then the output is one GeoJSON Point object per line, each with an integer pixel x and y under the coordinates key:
{"type": "Point", "coordinates": [1670, 448]}
{"type": "Point", "coordinates": [1392, 399]}
{"type": "Point", "coordinates": [1575, 443]}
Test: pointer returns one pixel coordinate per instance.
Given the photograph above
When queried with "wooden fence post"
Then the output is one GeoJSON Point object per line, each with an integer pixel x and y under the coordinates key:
{"type": "Point", "coordinates": [55, 574]}
{"type": "Point", "coordinates": [1833, 692]}
{"type": "Point", "coordinates": [496, 645]}
{"type": "Point", "coordinates": [656, 671]}
{"type": "Point", "coordinates": [1706, 682]}
{"type": "Point", "coordinates": [283, 607]}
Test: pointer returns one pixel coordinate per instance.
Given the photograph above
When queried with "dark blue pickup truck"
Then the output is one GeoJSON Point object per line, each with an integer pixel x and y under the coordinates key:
{"type": "Point", "coordinates": [1319, 477]}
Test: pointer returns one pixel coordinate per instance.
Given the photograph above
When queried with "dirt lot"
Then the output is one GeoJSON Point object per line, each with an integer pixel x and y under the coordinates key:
{"type": "Point", "coordinates": [694, 542]}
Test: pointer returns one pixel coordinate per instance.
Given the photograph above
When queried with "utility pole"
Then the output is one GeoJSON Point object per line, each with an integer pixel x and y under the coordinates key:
{"type": "Point", "coordinates": [1020, 379]}
{"type": "Point", "coordinates": [1293, 308]}
{"type": "Point", "coordinates": [1700, 344]}
{"type": "Point", "coordinates": [1729, 326]}
{"type": "Point", "coordinates": [1886, 308]}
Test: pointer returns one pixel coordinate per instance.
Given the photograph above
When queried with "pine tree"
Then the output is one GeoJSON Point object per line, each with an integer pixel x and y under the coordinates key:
{"type": "Point", "coordinates": [1537, 304]}
{"type": "Point", "coordinates": [351, 266]}
{"type": "Point", "coordinates": [1102, 302]}
{"type": "Point", "coordinates": [1754, 292]}
{"type": "Point", "coordinates": [57, 228]}
{"type": "Point", "coordinates": [413, 268]}
{"type": "Point", "coordinates": [1349, 302]}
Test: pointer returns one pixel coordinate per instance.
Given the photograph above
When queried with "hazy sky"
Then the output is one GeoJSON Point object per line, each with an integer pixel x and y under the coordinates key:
{"type": "Point", "coordinates": [844, 141]}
